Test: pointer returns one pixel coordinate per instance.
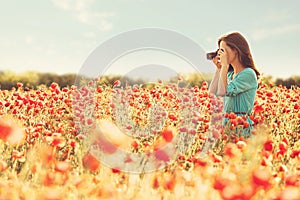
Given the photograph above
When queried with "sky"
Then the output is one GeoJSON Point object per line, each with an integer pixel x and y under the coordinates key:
{"type": "Point", "coordinates": [58, 35]}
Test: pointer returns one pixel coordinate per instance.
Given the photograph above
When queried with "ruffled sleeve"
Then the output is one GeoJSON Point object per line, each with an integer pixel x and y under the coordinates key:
{"type": "Point", "coordinates": [243, 81]}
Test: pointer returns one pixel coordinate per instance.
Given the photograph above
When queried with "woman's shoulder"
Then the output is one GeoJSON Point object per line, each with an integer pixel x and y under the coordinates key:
{"type": "Point", "coordinates": [248, 71]}
{"type": "Point", "coordinates": [245, 73]}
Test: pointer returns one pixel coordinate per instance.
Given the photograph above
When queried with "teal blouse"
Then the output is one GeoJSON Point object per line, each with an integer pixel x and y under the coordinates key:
{"type": "Point", "coordinates": [240, 94]}
{"type": "Point", "coordinates": [240, 91]}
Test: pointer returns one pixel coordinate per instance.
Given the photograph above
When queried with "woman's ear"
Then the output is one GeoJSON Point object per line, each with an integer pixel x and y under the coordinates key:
{"type": "Point", "coordinates": [236, 53]}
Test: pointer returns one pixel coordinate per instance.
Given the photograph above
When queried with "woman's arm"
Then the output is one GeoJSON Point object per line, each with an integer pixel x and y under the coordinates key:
{"type": "Point", "coordinates": [223, 81]}
{"type": "Point", "coordinates": [242, 82]}
{"type": "Point", "coordinates": [213, 87]}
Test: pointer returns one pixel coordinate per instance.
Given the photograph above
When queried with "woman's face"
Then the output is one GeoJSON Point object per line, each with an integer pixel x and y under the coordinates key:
{"type": "Point", "coordinates": [226, 54]}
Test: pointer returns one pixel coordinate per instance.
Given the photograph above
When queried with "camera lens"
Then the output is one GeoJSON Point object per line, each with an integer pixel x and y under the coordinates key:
{"type": "Point", "coordinates": [211, 55]}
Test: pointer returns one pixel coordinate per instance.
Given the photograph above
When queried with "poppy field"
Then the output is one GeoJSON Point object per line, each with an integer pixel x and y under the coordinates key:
{"type": "Point", "coordinates": [46, 134]}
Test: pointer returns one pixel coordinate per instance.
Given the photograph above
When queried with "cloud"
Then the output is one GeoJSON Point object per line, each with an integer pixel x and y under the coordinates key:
{"type": "Point", "coordinates": [81, 10]}
{"type": "Point", "coordinates": [263, 33]}
{"type": "Point", "coordinates": [274, 23]}
{"type": "Point", "coordinates": [89, 34]}
{"type": "Point", "coordinates": [275, 16]}
{"type": "Point", "coordinates": [73, 5]}
{"type": "Point", "coordinates": [96, 19]}
{"type": "Point", "coordinates": [29, 40]}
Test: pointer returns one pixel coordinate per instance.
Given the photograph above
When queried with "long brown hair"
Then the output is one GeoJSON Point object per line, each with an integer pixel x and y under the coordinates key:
{"type": "Point", "coordinates": [237, 42]}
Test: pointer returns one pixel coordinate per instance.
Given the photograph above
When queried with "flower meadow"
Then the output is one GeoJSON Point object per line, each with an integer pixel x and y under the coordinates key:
{"type": "Point", "coordinates": [47, 135]}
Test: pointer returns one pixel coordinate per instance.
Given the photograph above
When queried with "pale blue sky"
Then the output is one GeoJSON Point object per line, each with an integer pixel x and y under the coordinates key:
{"type": "Point", "coordinates": [58, 35]}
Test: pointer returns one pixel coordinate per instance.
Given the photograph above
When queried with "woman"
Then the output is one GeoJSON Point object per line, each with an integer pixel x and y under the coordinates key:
{"type": "Point", "coordinates": [235, 77]}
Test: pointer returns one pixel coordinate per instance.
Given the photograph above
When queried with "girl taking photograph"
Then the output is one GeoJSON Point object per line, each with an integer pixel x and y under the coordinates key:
{"type": "Point", "coordinates": [235, 78]}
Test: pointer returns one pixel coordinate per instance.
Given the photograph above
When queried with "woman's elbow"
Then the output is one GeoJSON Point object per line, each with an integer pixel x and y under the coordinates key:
{"type": "Point", "coordinates": [212, 90]}
{"type": "Point", "coordinates": [221, 91]}
{"type": "Point", "coordinates": [221, 94]}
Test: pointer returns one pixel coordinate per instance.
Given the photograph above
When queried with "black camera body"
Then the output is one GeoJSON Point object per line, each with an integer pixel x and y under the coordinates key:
{"type": "Point", "coordinates": [211, 55]}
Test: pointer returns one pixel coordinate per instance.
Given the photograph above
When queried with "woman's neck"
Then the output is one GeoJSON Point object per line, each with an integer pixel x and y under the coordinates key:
{"type": "Point", "coordinates": [237, 67]}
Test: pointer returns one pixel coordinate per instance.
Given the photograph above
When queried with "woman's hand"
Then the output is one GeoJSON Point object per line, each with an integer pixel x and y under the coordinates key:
{"type": "Point", "coordinates": [222, 56]}
{"type": "Point", "coordinates": [216, 61]}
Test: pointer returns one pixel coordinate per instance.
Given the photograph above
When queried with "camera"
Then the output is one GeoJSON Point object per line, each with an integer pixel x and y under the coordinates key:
{"type": "Point", "coordinates": [211, 55]}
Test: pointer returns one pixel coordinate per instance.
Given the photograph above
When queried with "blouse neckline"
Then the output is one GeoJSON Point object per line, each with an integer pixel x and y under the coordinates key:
{"type": "Point", "coordinates": [231, 75]}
